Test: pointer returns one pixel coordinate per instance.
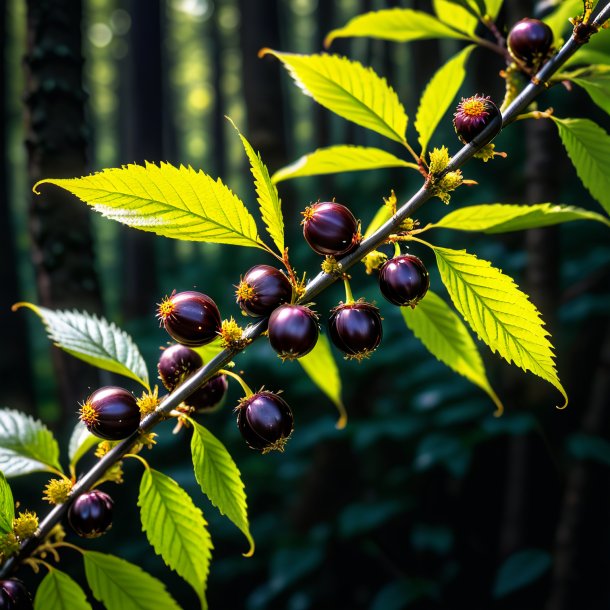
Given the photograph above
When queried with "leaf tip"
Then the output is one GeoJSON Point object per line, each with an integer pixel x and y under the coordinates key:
{"type": "Point", "coordinates": [35, 187]}
{"type": "Point", "coordinates": [21, 304]}
{"type": "Point", "coordinates": [250, 552]}
{"type": "Point", "coordinates": [342, 421]}
{"type": "Point", "coordinates": [565, 404]}
{"type": "Point", "coordinates": [328, 39]}
{"type": "Point", "coordinates": [265, 51]}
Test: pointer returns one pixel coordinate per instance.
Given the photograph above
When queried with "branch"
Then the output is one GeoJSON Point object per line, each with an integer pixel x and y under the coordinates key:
{"type": "Point", "coordinates": [315, 287]}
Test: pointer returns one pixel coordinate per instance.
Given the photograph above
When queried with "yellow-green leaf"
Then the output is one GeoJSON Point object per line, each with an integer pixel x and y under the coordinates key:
{"type": "Point", "coordinates": [558, 20]}
{"type": "Point", "coordinates": [455, 15]}
{"type": "Point", "coordinates": [337, 159]}
{"type": "Point", "coordinates": [492, 8]}
{"type": "Point", "coordinates": [503, 218]}
{"type": "Point", "coordinates": [442, 332]}
{"type": "Point", "coordinates": [397, 24]}
{"type": "Point", "coordinates": [58, 591]}
{"type": "Point", "coordinates": [209, 351]}
{"type": "Point", "coordinates": [588, 147]}
{"type": "Point", "coordinates": [268, 198]}
{"type": "Point", "coordinates": [220, 479]}
{"type": "Point", "coordinates": [348, 89]}
{"type": "Point", "coordinates": [383, 214]}
{"type": "Point", "coordinates": [176, 529]}
{"type": "Point", "coordinates": [597, 84]}
{"type": "Point", "coordinates": [439, 94]}
{"type": "Point", "coordinates": [7, 505]}
{"type": "Point", "coordinates": [322, 369]}
{"type": "Point", "coordinates": [502, 316]}
{"type": "Point", "coordinates": [180, 203]}
{"type": "Point", "coordinates": [94, 340]}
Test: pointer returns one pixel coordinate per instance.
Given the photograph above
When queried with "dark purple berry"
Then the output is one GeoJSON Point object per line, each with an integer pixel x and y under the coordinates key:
{"type": "Point", "coordinates": [190, 317]}
{"type": "Point", "coordinates": [404, 280]}
{"type": "Point", "coordinates": [14, 595]}
{"type": "Point", "coordinates": [473, 115]}
{"type": "Point", "coordinates": [262, 289]}
{"type": "Point", "coordinates": [356, 329]}
{"type": "Point", "coordinates": [210, 395]}
{"type": "Point", "coordinates": [91, 514]}
{"type": "Point", "coordinates": [293, 331]}
{"type": "Point", "coordinates": [330, 229]}
{"type": "Point", "coordinates": [176, 363]}
{"type": "Point", "coordinates": [111, 413]}
{"type": "Point", "coordinates": [265, 421]}
{"type": "Point", "coordinates": [530, 41]}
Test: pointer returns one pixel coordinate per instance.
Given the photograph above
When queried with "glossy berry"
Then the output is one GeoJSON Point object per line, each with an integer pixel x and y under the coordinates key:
{"type": "Point", "coordinates": [210, 395]}
{"type": "Point", "coordinates": [91, 514]}
{"type": "Point", "coordinates": [176, 363]}
{"type": "Point", "coordinates": [530, 41]}
{"type": "Point", "coordinates": [293, 331]}
{"type": "Point", "coordinates": [355, 328]}
{"type": "Point", "coordinates": [262, 289]}
{"type": "Point", "coordinates": [14, 595]}
{"type": "Point", "coordinates": [473, 115]}
{"type": "Point", "coordinates": [265, 421]}
{"type": "Point", "coordinates": [404, 280]}
{"type": "Point", "coordinates": [330, 229]}
{"type": "Point", "coordinates": [190, 317]}
{"type": "Point", "coordinates": [111, 413]}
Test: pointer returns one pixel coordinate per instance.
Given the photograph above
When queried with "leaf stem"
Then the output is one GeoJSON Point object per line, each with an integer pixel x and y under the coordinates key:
{"type": "Point", "coordinates": [349, 297]}
{"type": "Point", "coordinates": [245, 387]}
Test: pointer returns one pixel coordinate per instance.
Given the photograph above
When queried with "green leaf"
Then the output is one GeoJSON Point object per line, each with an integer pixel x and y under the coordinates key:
{"type": "Point", "coordinates": [501, 315]}
{"type": "Point", "coordinates": [456, 16]}
{"type": "Point", "coordinates": [348, 89]}
{"type": "Point", "coordinates": [396, 24]}
{"type": "Point", "coordinates": [209, 351]}
{"type": "Point", "coordinates": [268, 198]}
{"type": "Point", "coordinates": [322, 369]}
{"type": "Point", "coordinates": [220, 479]}
{"type": "Point", "coordinates": [521, 569]}
{"type": "Point", "coordinates": [337, 159]}
{"type": "Point", "coordinates": [439, 94]}
{"type": "Point", "coordinates": [121, 585]}
{"type": "Point", "coordinates": [588, 147]}
{"type": "Point", "coordinates": [558, 20]}
{"type": "Point", "coordinates": [7, 506]}
{"type": "Point", "coordinates": [503, 218]}
{"type": "Point", "coordinates": [175, 202]}
{"type": "Point", "coordinates": [81, 441]}
{"type": "Point", "coordinates": [441, 331]}
{"type": "Point", "coordinates": [94, 340]}
{"type": "Point", "coordinates": [597, 85]}
{"type": "Point", "coordinates": [176, 529]}
{"type": "Point", "coordinates": [26, 445]}
{"type": "Point", "coordinates": [492, 8]}
{"type": "Point", "coordinates": [383, 214]}
{"type": "Point", "coordinates": [58, 591]}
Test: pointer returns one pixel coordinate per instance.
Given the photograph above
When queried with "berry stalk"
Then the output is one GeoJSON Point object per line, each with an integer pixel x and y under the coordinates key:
{"type": "Point", "coordinates": [315, 287]}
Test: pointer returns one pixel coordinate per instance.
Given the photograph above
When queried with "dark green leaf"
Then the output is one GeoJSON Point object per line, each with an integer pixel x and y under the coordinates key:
{"type": "Point", "coordinates": [519, 570]}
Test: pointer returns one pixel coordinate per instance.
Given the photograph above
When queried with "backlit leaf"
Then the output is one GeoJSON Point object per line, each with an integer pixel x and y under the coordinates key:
{"type": "Point", "coordinates": [383, 214]}
{"type": "Point", "coordinates": [397, 24]}
{"type": "Point", "coordinates": [337, 159]}
{"type": "Point", "coordinates": [94, 340]}
{"type": "Point", "coordinates": [455, 15]}
{"type": "Point", "coordinates": [121, 585]}
{"type": "Point", "coordinates": [588, 147]}
{"type": "Point", "coordinates": [7, 506]}
{"type": "Point", "coordinates": [80, 442]}
{"type": "Point", "coordinates": [220, 479]}
{"type": "Point", "coordinates": [438, 327]}
{"type": "Point", "coordinates": [175, 202]}
{"type": "Point", "coordinates": [26, 445]}
{"type": "Point", "coordinates": [503, 218]}
{"type": "Point", "coordinates": [492, 8]}
{"type": "Point", "coordinates": [439, 94]}
{"type": "Point", "coordinates": [348, 89]}
{"type": "Point", "coordinates": [176, 529]}
{"type": "Point", "coordinates": [501, 315]}
{"type": "Point", "coordinates": [558, 20]}
{"type": "Point", "coordinates": [58, 591]}
{"type": "Point", "coordinates": [597, 85]}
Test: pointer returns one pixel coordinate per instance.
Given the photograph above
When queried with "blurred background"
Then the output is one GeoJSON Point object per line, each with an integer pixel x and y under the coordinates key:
{"type": "Point", "coordinates": [425, 500]}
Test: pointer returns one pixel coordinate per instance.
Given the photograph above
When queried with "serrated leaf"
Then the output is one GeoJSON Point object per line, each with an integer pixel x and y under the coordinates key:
{"type": "Point", "coordinates": [492, 8]}
{"type": "Point", "coordinates": [121, 585]}
{"type": "Point", "coordinates": [502, 316]}
{"type": "Point", "coordinates": [521, 569]}
{"type": "Point", "coordinates": [442, 332]}
{"type": "Point", "coordinates": [220, 479]}
{"type": "Point", "coordinates": [176, 529]}
{"type": "Point", "coordinates": [7, 506]}
{"type": "Point", "coordinates": [337, 159]}
{"type": "Point", "coordinates": [455, 15]}
{"type": "Point", "coordinates": [94, 340]}
{"type": "Point", "coordinates": [348, 89]}
{"type": "Point", "coordinates": [81, 441]}
{"type": "Point", "coordinates": [502, 218]}
{"type": "Point", "coordinates": [558, 20]}
{"type": "Point", "coordinates": [180, 203]}
{"type": "Point", "coordinates": [396, 24]}
{"type": "Point", "coordinates": [58, 591]}
{"type": "Point", "coordinates": [588, 147]}
{"type": "Point", "coordinates": [597, 85]}
{"type": "Point", "coordinates": [26, 445]}
{"type": "Point", "coordinates": [438, 95]}
{"type": "Point", "coordinates": [322, 369]}
{"type": "Point", "coordinates": [268, 198]}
